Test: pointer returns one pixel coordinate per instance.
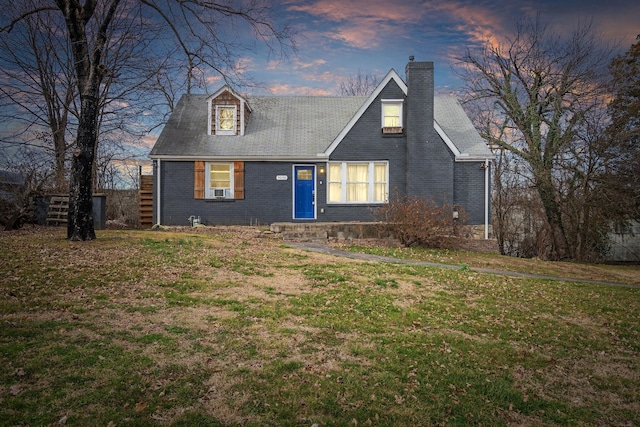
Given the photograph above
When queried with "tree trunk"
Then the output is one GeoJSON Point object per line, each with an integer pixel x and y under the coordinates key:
{"type": "Point", "coordinates": [498, 206]}
{"type": "Point", "coordinates": [88, 76]}
{"type": "Point", "coordinates": [80, 220]}
{"type": "Point", "coordinates": [547, 192]}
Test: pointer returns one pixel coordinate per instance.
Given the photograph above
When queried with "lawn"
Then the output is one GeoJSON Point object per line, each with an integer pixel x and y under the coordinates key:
{"type": "Point", "coordinates": [230, 326]}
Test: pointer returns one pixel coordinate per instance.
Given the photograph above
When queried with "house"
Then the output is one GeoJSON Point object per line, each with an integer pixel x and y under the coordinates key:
{"type": "Point", "coordinates": [230, 159]}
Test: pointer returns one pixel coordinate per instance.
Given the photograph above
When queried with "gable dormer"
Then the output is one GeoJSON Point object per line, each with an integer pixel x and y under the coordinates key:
{"type": "Point", "coordinates": [228, 112]}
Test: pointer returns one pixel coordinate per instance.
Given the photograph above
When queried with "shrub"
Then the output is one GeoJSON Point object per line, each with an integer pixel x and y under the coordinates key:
{"type": "Point", "coordinates": [416, 221]}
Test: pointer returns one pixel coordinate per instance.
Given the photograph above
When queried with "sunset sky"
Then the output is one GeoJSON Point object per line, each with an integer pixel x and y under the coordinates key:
{"type": "Point", "coordinates": [336, 38]}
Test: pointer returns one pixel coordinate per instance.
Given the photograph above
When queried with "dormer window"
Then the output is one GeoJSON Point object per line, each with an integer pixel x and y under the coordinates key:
{"type": "Point", "coordinates": [391, 116]}
{"type": "Point", "coordinates": [226, 120]}
{"type": "Point", "coordinates": [228, 113]}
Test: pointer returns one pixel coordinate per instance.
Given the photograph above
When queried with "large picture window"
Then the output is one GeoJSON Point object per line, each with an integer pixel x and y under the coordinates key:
{"type": "Point", "coordinates": [358, 182]}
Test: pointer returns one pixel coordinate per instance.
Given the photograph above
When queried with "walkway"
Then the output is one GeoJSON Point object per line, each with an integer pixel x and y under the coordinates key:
{"type": "Point", "coordinates": [326, 249]}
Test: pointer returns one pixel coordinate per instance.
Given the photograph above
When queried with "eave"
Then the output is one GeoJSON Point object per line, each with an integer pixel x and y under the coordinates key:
{"type": "Point", "coordinates": [293, 158]}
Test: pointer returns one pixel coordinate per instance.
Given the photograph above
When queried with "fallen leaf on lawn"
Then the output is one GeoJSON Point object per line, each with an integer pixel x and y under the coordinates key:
{"type": "Point", "coordinates": [15, 389]}
{"type": "Point", "coordinates": [140, 406]}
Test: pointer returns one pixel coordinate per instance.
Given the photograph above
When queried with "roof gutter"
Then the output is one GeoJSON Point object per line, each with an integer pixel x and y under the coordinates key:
{"type": "Point", "coordinates": [158, 183]}
{"type": "Point", "coordinates": [486, 199]}
{"type": "Point", "coordinates": [464, 157]}
{"type": "Point", "coordinates": [319, 157]}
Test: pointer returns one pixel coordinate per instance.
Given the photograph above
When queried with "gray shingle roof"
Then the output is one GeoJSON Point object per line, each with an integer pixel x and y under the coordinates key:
{"type": "Point", "coordinates": [451, 117]}
{"type": "Point", "coordinates": [279, 127]}
{"type": "Point", "coordinates": [274, 129]}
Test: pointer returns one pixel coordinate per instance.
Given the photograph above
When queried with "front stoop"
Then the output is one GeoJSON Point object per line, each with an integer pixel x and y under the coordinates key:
{"type": "Point", "coordinates": [472, 239]}
{"type": "Point", "coordinates": [328, 230]}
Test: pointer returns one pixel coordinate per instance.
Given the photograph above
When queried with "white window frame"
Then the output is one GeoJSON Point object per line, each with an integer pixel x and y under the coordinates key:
{"type": "Point", "coordinates": [386, 102]}
{"type": "Point", "coordinates": [371, 182]}
{"type": "Point", "coordinates": [209, 191]}
{"type": "Point", "coordinates": [235, 120]}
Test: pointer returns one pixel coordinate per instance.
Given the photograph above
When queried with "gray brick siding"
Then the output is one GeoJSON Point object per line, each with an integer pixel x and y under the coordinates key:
{"type": "Point", "coordinates": [469, 190]}
{"type": "Point", "coordinates": [266, 199]}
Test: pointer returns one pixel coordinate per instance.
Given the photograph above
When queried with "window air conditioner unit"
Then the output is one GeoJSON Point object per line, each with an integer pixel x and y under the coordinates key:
{"type": "Point", "coordinates": [218, 193]}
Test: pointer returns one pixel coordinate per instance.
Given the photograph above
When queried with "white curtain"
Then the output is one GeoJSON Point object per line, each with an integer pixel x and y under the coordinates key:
{"type": "Point", "coordinates": [335, 182]}
{"type": "Point", "coordinates": [357, 182]}
{"type": "Point", "coordinates": [380, 182]}
{"type": "Point", "coordinates": [220, 176]}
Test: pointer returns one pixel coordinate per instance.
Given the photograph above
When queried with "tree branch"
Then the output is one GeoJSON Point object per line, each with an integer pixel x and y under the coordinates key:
{"type": "Point", "coordinates": [13, 22]}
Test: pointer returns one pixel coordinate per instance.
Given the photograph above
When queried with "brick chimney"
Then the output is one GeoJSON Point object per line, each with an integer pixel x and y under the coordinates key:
{"type": "Point", "coordinates": [420, 98]}
{"type": "Point", "coordinates": [429, 172]}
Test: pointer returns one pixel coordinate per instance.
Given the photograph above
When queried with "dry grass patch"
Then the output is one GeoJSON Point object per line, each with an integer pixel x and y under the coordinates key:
{"type": "Point", "coordinates": [228, 326]}
{"type": "Point", "coordinates": [628, 274]}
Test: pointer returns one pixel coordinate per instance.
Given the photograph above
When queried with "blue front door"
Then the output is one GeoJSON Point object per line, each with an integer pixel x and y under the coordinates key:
{"type": "Point", "coordinates": [304, 192]}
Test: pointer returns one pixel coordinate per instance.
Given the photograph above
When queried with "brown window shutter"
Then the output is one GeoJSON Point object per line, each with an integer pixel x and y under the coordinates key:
{"type": "Point", "coordinates": [238, 180]}
{"type": "Point", "coordinates": [198, 180]}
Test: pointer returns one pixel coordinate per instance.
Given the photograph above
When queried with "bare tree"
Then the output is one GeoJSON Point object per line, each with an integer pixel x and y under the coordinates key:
{"type": "Point", "coordinates": [623, 134]}
{"type": "Point", "coordinates": [362, 84]}
{"type": "Point", "coordinates": [40, 95]}
{"type": "Point", "coordinates": [201, 34]}
{"type": "Point", "coordinates": [38, 87]}
{"type": "Point", "coordinates": [542, 88]}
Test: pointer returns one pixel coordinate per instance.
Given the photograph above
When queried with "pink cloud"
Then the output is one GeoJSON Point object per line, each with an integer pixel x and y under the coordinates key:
{"type": "Point", "coordinates": [273, 65]}
{"type": "Point", "coordinates": [363, 24]}
{"type": "Point", "coordinates": [314, 63]}
{"type": "Point", "coordinates": [368, 23]}
{"type": "Point", "coordinates": [479, 23]}
{"type": "Point", "coordinates": [360, 35]}
{"type": "Point", "coordinates": [243, 65]}
{"type": "Point", "coordinates": [213, 79]}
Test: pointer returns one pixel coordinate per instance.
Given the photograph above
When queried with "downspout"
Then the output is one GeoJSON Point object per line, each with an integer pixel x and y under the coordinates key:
{"type": "Point", "coordinates": [158, 210]}
{"type": "Point", "coordinates": [486, 199]}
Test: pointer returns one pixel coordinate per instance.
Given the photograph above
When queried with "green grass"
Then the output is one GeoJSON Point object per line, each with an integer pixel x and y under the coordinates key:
{"type": "Point", "coordinates": [467, 261]}
{"type": "Point", "coordinates": [223, 329]}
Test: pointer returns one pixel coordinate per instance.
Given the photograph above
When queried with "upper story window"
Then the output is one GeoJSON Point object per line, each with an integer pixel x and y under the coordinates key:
{"type": "Point", "coordinates": [228, 113]}
{"type": "Point", "coordinates": [391, 116]}
{"type": "Point", "coordinates": [226, 120]}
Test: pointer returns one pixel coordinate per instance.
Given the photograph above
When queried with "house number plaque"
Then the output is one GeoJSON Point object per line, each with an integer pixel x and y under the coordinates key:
{"type": "Point", "coordinates": [281, 177]}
